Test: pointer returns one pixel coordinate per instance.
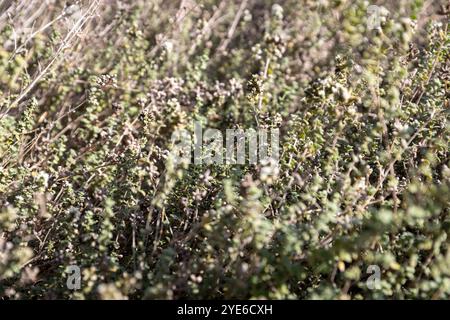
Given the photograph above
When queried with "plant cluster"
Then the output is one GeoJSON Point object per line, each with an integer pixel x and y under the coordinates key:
{"type": "Point", "coordinates": [91, 92]}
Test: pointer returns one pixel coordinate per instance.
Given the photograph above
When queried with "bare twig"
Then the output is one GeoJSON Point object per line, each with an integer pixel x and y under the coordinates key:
{"type": "Point", "coordinates": [223, 46]}
{"type": "Point", "coordinates": [66, 41]}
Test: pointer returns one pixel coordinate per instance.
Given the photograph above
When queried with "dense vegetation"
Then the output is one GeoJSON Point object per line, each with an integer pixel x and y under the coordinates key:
{"type": "Point", "coordinates": [92, 91]}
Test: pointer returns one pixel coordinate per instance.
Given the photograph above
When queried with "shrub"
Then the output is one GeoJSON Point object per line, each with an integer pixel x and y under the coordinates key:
{"type": "Point", "coordinates": [91, 94]}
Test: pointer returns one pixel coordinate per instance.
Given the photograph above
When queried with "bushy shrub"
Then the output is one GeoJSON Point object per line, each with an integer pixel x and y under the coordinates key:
{"type": "Point", "coordinates": [92, 91]}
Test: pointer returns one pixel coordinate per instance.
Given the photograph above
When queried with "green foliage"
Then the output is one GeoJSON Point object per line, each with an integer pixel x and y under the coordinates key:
{"type": "Point", "coordinates": [363, 179]}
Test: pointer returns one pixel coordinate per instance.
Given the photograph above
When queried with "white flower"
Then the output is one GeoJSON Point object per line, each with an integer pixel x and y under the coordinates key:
{"type": "Point", "coordinates": [277, 11]}
{"type": "Point", "coordinates": [168, 46]}
{"type": "Point", "coordinates": [269, 170]}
